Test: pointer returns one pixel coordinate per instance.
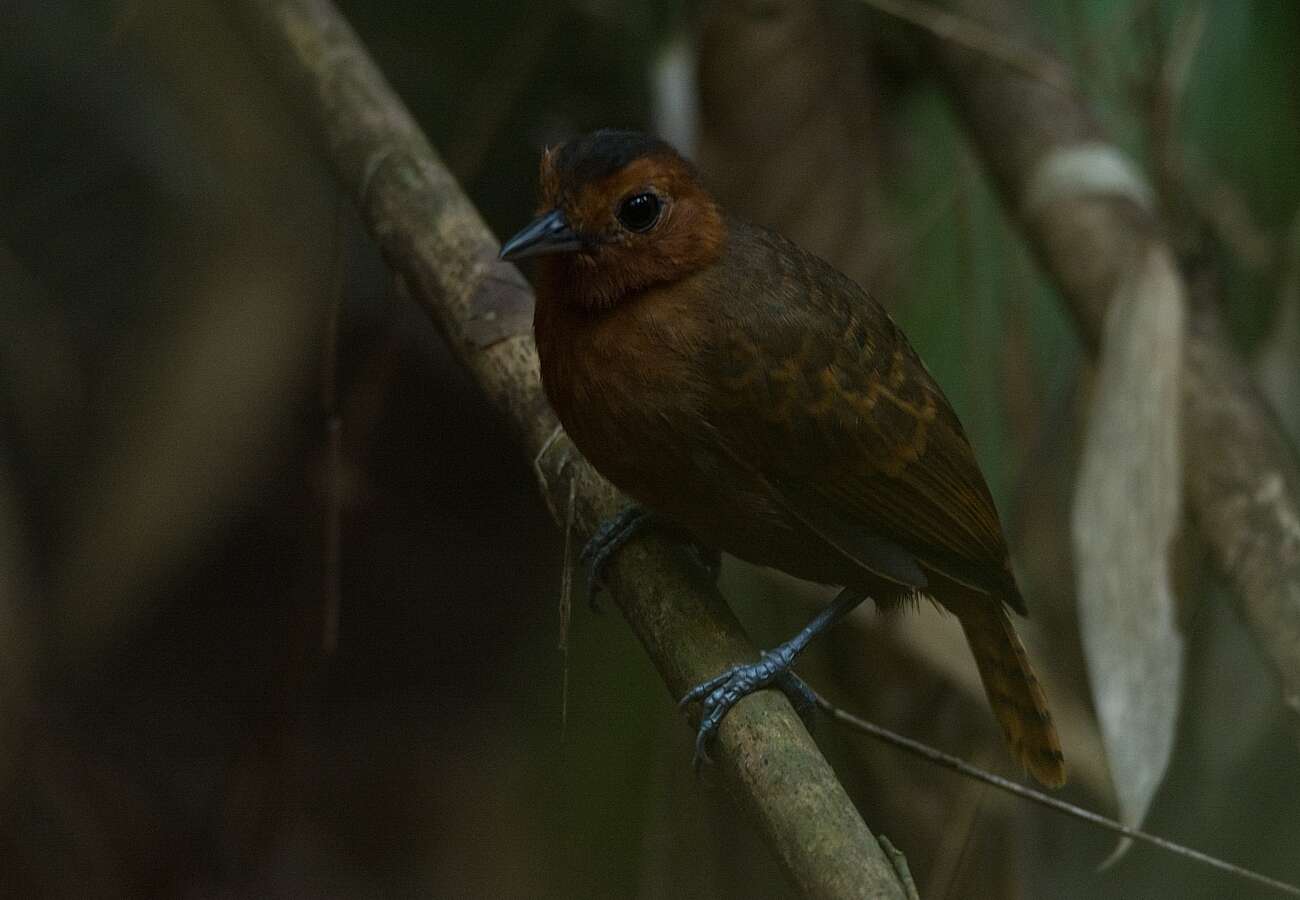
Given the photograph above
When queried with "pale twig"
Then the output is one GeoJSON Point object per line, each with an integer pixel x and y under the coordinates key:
{"type": "Point", "coordinates": [962, 767]}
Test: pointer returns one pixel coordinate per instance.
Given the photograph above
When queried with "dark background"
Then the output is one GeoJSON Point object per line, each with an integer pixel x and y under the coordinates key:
{"type": "Point", "coordinates": [175, 717]}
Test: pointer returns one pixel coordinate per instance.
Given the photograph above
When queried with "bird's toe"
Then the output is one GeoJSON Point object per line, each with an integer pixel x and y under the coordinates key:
{"type": "Point", "coordinates": [721, 693]}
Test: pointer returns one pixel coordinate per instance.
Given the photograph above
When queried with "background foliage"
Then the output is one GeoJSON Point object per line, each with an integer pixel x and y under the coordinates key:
{"type": "Point", "coordinates": [170, 251]}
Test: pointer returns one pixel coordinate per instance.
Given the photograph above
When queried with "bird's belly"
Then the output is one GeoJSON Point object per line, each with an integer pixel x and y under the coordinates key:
{"type": "Point", "coordinates": [660, 470]}
{"type": "Point", "coordinates": [709, 495]}
{"type": "Point", "coordinates": [639, 419]}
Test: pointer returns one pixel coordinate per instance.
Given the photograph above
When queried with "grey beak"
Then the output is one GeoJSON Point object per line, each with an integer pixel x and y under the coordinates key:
{"type": "Point", "coordinates": [549, 234]}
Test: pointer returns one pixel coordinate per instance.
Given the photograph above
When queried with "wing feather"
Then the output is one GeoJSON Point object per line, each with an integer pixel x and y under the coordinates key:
{"type": "Point", "coordinates": [851, 424]}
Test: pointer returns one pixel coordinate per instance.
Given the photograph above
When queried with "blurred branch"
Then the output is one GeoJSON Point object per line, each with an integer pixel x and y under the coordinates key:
{"type": "Point", "coordinates": [791, 133]}
{"type": "Point", "coordinates": [1170, 65]}
{"type": "Point", "coordinates": [506, 77]}
{"type": "Point", "coordinates": [1223, 208]}
{"type": "Point", "coordinates": [959, 30]}
{"type": "Point", "coordinates": [1242, 477]}
{"type": "Point", "coordinates": [1275, 363]}
{"type": "Point", "coordinates": [1195, 199]}
{"type": "Point", "coordinates": [434, 239]}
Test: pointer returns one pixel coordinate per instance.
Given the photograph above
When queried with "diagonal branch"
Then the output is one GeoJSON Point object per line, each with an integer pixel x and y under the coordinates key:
{"type": "Point", "coordinates": [433, 238]}
{"type": "Point", "coordinates": [1241, 474]}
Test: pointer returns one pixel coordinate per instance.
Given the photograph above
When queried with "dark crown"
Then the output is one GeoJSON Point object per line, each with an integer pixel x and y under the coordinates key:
{"type": "Point", "coordinates": [599, 154]}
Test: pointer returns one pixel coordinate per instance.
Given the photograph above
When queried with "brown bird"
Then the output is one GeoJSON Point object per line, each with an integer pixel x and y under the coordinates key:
{"type": "Point", "coordinates": [745, 392]}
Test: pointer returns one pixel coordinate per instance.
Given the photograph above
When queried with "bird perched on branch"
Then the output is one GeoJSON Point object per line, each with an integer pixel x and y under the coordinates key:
{"type": "Point", "coordinates": [745, 392]}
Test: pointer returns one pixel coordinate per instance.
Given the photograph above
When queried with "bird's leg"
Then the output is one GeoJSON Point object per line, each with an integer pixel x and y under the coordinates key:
{"type": "Point", "coordinates": [719, 694]}
{"type": "Point", "coordinates": [801, 696]}
{"type": "Point", "coordinates": [614, 533]}
{"type": "Point", "coordinates": [607, 540]}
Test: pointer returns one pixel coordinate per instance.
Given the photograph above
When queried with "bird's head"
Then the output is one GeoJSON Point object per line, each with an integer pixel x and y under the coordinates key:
{"type": "Point", "coordinates": [620, 212]}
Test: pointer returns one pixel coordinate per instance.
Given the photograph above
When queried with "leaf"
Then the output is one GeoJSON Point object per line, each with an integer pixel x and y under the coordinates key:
{"type": "Point", "coordinates": [1126, 513]}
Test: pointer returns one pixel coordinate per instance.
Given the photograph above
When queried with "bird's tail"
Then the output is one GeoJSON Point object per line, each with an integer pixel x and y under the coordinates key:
{"type": "Point", "coordinates": [1013, 690]}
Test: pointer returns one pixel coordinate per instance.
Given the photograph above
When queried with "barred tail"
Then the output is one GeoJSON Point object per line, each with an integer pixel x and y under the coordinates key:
{"type": "Point", "coordinates": [1014, 692]}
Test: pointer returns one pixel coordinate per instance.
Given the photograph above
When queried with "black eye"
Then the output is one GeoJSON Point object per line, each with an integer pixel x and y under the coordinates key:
{"type": "Point", "coordinates": [639, 212]}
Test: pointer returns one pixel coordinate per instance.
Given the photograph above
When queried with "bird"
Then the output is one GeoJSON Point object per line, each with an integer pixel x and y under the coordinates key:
{"type": "Point", "coordinates": [746, 394]}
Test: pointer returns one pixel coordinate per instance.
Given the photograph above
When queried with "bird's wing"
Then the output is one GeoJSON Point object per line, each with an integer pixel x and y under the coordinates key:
{"type": "Point", "coordinates": [823, 396]}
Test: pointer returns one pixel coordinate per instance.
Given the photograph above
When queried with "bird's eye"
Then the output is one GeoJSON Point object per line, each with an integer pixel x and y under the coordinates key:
{"type": "Point", "coordinates": [639, 212]}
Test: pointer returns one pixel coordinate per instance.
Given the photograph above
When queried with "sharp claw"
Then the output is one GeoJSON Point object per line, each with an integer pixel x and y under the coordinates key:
{"type": "Point", "coordinates": [705, 736]}
{"type": "Point", "coordinates": [702, 757]}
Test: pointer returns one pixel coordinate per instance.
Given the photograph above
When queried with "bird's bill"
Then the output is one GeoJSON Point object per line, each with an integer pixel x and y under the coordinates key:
{"type": "Point", "coordinates": [548, 234]}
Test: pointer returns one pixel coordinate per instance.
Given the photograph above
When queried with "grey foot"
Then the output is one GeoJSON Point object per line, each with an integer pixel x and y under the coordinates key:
{"type": "Point", "coordinates": [719, 694]}
{"type": "Point", "coordinates": [613, 534]}
{"type": "Point", "coordinates": [607, 541]}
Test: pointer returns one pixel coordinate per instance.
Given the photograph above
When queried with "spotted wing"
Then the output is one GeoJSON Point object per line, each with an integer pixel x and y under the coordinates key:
{"type": "Point", "coordinates": [823, 396]}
